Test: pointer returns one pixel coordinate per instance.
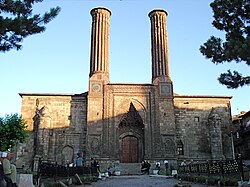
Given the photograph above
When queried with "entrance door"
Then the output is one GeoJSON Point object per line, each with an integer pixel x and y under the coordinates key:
{"type": "Point", "coordinates": [130, 149]}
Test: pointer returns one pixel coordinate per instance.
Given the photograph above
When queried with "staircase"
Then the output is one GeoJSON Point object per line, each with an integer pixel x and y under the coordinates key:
{"type": "Point", "coordinates": [128, 168]}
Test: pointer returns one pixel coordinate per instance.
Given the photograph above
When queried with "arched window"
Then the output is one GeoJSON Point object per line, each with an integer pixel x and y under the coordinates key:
{"type": "Point", "coordinates": [67, 154]}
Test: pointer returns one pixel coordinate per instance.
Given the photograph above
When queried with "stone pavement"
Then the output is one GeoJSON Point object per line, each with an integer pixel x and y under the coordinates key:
{"type": "Point", "coordinates": [140, 181]}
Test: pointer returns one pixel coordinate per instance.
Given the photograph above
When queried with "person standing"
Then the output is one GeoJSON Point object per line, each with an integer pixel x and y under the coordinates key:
{"type": "Point", "coordinates": [93, 165]}
{"type": "Point", "coordinates": [3, 182]}
{"type": "Point", "coordinates": [143, 167]}
{"type": "Point", "coordinates": [98, 166]}
{"type": "Point", "coordinates": [148, 165]}
{"type": "Point", "coordinates": [158, 165]}
{"type": "Point", "coordinates": [8, 168]}
{"type": "Point", "coordinates": [79, 160]}
{"type": "Point", "coordinates": [79, 163]}
{"type": "Point", "coordinates": [166, 166]}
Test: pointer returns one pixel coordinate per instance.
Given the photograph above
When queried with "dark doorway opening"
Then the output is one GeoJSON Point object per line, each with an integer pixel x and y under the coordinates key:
{"type": "Point", "coordinates": [130, 149]}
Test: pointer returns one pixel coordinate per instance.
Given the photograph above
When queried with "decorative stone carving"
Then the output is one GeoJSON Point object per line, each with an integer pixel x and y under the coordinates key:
{"type": "Point", "coordinates": [168, 145]}
{"type": "Point", "coordinates": [94, 144]}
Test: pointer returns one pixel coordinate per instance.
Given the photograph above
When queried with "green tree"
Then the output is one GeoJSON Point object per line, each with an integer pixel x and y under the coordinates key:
{"type": "Point", "coordinates": [12, 131]}
{"type": "Point", "coordinates": [233, 18]}
{"type": "Point", "coordinates": [17, 22]}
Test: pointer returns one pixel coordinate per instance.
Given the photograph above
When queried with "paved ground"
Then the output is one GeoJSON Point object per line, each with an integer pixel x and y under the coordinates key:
{"type": "Point", "coordinates": [139, 181]}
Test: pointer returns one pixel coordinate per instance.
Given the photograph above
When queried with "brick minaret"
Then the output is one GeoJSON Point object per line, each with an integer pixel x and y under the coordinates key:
{"type": "Point", "coordinates": [159, 46]}
{"type": "Point", "coordinates": [98, 80]}
{"type": "Point", "coordinates": [164, 105]}
{"type": "Point", "coordinates": [99, 56]}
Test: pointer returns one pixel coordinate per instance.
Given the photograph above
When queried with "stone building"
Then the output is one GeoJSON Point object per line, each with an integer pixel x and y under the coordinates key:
{"type": "Point", "coordinates": [126, 123]}
{"type": "Point", "coordinates": [241, 135]}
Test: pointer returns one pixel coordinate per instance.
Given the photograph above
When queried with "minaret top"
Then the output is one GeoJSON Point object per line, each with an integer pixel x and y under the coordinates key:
{"type": "Point", "coordinates": [100, 9]}
{"type": "Point", "coordinates": [157, 11]}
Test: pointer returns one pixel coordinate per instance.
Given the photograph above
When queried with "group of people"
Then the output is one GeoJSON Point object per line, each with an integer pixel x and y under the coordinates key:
{"type": "Point", "coordinates": [7, 170]}
{"type": "Point", "coordinates": [145, 167]}
{"type": "Point", "coordinates": [80, 163]}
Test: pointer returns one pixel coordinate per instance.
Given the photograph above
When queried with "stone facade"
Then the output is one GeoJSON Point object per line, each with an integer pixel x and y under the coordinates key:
{"type": "Point", "coordinates": [126, 122]}
{"type": "Point", "coordinates": [56, 124]}
{"type": "Point", "coordinates": [241, 135]}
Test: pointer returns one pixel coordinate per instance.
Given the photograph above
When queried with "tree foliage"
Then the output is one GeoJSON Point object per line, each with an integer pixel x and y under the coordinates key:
{"type": "Point", "coordinates": [17, 22]}
{"type": "Point", "coordinates": [12, 130]}
{"type": "Point", "coordinates": [233, 18]}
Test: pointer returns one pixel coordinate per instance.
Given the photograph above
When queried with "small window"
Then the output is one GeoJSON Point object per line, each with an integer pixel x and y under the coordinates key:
{"type": "Point", "coordinates": [196, 119]}
{"type": "Point", "coordinates": [180, 150]}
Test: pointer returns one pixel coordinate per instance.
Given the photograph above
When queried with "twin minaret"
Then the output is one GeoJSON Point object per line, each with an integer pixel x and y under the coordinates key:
{"type": "Point", "coordinates": [99, 115]}
{"type": "Point", "coordinates": [159, 46]}
{"type": "Point", "coordinates": [99, 57]}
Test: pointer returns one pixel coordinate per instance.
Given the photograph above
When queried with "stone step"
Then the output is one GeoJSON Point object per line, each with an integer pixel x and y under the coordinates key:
{"type": "Point", "coordinates": [128, 168]}
{"type": "Point", "coordinates": [25, 180]}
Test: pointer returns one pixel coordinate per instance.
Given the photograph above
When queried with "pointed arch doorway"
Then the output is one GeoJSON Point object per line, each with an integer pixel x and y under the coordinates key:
{"type": "Point", "coordinates": [130, 149]}
{"type": "Point", "coordinates": [131, 136]}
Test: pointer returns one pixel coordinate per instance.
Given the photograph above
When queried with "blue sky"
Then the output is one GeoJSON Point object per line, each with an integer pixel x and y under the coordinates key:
{"type": "Point", "coordinates": [57, 61]}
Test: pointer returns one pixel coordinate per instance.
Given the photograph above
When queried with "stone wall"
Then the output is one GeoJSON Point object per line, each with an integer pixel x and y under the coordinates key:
{"type": "Point", "coordinates": [195, 126]}
{"type": "Point", "coordinates": [201, 123]}
{"type": "Point", "coordinates": [58, 131]}
{"type": "Point", "coordinates": [56, 109]}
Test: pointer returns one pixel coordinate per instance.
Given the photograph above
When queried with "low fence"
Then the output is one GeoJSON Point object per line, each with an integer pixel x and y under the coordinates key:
{"type": "Point", "coordinates": [52, 170]}
{"type": "Point", "coordinates": [219, 168]}
{"type": "Point", "coordinates": [213, 167]}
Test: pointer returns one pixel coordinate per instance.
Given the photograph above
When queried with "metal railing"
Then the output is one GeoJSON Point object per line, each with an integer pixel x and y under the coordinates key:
{"type": "Point", "coordinates": [216, 168]}
{"type": "Point", "coordinates": [52, 170]}
{"type": "Point", "coordinates": [211, 167]}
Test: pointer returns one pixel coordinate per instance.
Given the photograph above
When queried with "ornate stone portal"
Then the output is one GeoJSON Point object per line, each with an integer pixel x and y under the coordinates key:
{"type": "Point", "coordinates": [131, 136]}
{"type": "Point", "coordinates": [126, 122]}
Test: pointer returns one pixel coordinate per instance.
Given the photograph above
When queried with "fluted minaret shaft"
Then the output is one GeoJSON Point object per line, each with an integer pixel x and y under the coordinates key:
{"type": "Point", "coordinates": [159, 45]}
{"type": "Point", "coordinates": [99, 55]}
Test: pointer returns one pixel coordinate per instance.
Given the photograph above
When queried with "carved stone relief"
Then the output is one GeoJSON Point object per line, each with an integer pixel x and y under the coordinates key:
{"type": "Point", "coordinates": [168, 145]}
{"type": "Point", "coordinates": [94, 144]}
